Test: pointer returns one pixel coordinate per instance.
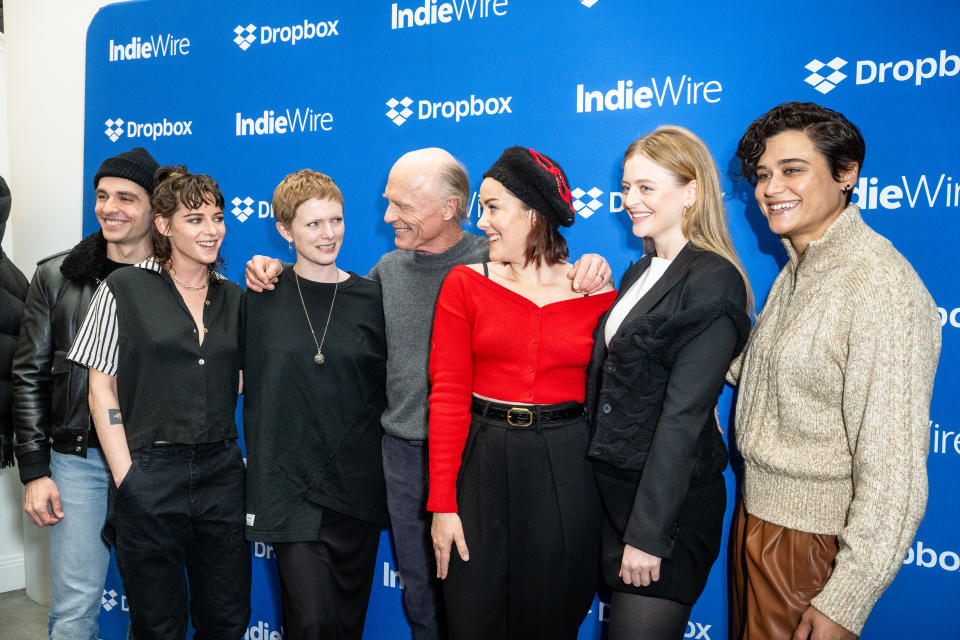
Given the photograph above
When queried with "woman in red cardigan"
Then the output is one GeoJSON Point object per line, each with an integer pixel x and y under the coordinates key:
{"type": "Point", "coordinates": [510, 486]}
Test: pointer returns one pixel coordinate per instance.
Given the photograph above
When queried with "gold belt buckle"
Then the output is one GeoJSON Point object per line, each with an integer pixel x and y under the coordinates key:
{"type": "Point", "coordinates": [522, 411]}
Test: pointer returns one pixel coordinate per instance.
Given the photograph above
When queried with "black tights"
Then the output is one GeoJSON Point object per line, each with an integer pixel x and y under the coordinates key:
{"type": "Point", "coordinates": [326, 583]}
{"type": "Point", "coordinates": [634, 617]}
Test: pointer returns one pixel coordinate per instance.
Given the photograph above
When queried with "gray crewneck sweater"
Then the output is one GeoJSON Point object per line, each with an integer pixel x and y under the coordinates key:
{"type": "Point", "coordinates": [411, 283]}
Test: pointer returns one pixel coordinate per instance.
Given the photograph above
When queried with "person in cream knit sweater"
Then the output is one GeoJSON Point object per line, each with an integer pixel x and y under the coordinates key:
{"type": "Point", "coordinates": [834, 394]}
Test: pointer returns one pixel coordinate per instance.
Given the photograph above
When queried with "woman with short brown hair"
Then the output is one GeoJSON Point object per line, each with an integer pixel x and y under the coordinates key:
{"type": "Point", "coordinates": [163, 346]}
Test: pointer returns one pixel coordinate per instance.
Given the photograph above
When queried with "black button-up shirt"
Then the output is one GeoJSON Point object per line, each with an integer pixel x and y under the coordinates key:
{"type": "Point", "coordinates": [172, 388]}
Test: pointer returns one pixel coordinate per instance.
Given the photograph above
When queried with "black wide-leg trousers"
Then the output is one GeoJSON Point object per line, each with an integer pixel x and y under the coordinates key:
{"type": "Point", "coordinates": [530, 511]}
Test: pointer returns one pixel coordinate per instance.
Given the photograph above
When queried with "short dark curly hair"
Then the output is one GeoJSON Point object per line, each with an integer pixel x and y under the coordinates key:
{"type": "Point", "coordinates": [174, 187]}
{"type": "Point", "coordinates": [835, 137]}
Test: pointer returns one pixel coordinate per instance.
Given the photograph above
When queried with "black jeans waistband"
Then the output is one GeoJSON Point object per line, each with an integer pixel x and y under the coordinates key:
{"type": "Point", "coordinates": [182, 450]}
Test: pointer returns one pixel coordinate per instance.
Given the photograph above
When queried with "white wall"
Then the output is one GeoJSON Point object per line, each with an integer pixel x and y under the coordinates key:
{"type": "Point", "coordinates": [4, 141]}
{"type": "Point", "coordinates": [11, 531]}
{"type": "Point", "coordinates": [41, 142]}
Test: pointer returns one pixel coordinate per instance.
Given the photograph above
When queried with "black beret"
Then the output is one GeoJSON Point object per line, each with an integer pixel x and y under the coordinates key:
{"type": "Point", "coordinates": [538, 181]}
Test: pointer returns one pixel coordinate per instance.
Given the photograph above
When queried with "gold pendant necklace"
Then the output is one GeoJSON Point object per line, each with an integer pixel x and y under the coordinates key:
{"type": "Point", "coordinates": [319, 358]}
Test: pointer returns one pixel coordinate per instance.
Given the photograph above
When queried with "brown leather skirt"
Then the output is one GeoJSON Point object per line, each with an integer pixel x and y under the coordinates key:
{"type": "Point", "coordinates": [774, 574]}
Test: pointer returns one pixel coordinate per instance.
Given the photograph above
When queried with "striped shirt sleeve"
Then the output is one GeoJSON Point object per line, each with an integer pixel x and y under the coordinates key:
{"type": "Point", "coordinates": [96, 343]}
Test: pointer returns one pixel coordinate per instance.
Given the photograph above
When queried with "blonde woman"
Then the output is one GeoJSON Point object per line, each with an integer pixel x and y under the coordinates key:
{"type": "Point", "coordinates": [655, 373]}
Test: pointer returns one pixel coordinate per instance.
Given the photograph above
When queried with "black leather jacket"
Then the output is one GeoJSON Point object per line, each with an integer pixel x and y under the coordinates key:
{"type": "Point", "coordinates": [50, 392]}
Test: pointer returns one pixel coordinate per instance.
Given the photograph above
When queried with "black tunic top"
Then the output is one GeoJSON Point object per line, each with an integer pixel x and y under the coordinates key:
{"type": "Point", "coordinates": [313, 431]}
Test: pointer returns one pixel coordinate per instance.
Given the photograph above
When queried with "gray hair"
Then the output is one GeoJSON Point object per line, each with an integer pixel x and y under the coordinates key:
{"type": "Point", "coordinates": [455, 183]}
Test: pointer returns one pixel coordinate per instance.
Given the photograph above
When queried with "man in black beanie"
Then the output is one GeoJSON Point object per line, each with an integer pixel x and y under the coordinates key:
{"type": "Point", "coordinates": [61, 465]}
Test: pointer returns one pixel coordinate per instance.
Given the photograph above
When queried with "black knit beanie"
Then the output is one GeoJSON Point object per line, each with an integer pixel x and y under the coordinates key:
{"type": "Point", "coordinates": [538, 181]}
{"type": "Point", "coordinates": [136, 165]}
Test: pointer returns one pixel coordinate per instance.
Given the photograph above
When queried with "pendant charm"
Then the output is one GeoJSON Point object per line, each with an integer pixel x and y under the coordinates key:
{"type": "Point", "coordinates": [319, 358]}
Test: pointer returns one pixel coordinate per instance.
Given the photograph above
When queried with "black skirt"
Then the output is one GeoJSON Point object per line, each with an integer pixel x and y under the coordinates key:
{"type": "Point", "coordinates": [700, 527]}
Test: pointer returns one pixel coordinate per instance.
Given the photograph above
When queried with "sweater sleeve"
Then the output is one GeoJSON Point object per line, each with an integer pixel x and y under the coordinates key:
{"type": "Point", "coordinates": [695, 382]}
{"type": "Point", "coordinates": [893, 349]}
{"type": "Point", "coordinates": [736, 366]}
{"type": "Point", "coordinates": [374, 273]}
{"type": "Point", "coordinates": [451, 382]}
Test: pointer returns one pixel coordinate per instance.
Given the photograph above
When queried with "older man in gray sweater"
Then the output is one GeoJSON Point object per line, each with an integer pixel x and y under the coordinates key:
{"type": "Point", "coordinates": [428, 194]}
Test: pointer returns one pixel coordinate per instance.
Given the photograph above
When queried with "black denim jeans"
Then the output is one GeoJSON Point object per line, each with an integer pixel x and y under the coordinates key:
{"type": "Point", "coordinates": [180, 508]}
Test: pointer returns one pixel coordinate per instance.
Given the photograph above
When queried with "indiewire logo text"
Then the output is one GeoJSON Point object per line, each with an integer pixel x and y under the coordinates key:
{"type": "Point", "coordinates": [626, 96]}
{"type": "Point", "coordinates": [941, 440]}
{"type": "Point", "coordinates": [262, 631]}
{"type": "Point", "coordinates": [471, 107]}
{"type": "Point", "coordinates": [117, 127]}
{"type": "Point", "coordinates": [391, 577]}
{"type": "Point", "coordinates": [286, 34]}
{"type": "Point", "coordinates": [434, 12]}
{"type": "Point", "coordinates": [277, 122]}
{"type": "Point", "coordinates": [159, 46]}
{"type": "Point", "coordinates": [941, 190]}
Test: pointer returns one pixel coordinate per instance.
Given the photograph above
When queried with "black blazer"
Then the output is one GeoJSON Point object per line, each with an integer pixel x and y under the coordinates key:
{"type": "Point", "coordinates": [685, 442]}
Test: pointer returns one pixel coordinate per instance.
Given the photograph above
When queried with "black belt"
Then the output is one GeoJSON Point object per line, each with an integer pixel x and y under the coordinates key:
{"type": "Point", "coordinates": [526, 416]}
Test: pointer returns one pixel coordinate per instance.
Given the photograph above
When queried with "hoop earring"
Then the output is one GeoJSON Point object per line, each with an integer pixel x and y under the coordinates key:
{"type": "Point", "coordinates": [683, 211]}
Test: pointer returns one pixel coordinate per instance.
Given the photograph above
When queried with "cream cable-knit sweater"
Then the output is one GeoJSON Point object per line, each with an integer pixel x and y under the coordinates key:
{"type": "Point", "coordinates": [833, 410]}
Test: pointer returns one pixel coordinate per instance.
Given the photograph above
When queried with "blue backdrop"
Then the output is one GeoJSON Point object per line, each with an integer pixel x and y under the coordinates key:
{"type": "Point", "coordinates": [249, 92]}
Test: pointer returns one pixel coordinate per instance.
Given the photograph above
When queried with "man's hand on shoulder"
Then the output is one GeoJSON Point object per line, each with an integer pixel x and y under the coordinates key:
{"type": "Point", "coordinates": [590, 274]}
{"type": "Point", "coordinates": [262, 273]}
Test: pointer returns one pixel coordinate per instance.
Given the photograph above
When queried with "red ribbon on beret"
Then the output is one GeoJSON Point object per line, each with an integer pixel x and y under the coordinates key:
{"type": "Point", "coordinates": [554, 170]}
